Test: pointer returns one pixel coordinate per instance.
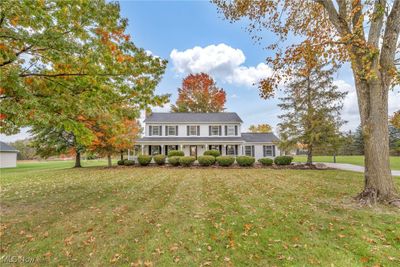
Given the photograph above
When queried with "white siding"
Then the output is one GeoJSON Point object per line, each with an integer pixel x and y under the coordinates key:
{"type": "Point", "coordinates": [8, 159]}
{"type": "Point", "coordinates": [182, 129]}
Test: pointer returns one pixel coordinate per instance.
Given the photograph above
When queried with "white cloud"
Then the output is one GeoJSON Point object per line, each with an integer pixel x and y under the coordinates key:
{"type": "Point", "coordinates": [350, 105]}
{"type": "Point", "coordinates": [234, 96]}
{"type": "Point", "coordinates": [220, 61]}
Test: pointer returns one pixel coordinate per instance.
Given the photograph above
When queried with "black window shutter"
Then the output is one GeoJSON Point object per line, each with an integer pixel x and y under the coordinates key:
{"type": "Point", "coordinates": [150, 130]}
{"type": "Point", "coordinates": [226, 130]}
{"type": "Point", "coordinates": [176, 131]}
{"type": "Point", "coordinates": [220, 130]}
{"type": "Point", "coordinates": [198, 130]}
{"type": "Point", "coordinates": [166, 150]}
{"type": "Point", "coordinates": [160, 130]}
{"type": "Point", "coordinates": [264, 151]}
{"type": "Point", "coordinates": [209, 130]}
{"type": "Point", "coordinates": [273, 151]}
{"type": "Point", "coordinates": [236, 130]}
{"type": "Point", "coordinates": [149, 150]}
{"type": "Point", "coordinates": [252, 151]}
{"type": "Point", "coordinates": [187, 130]}
{"type": "Point", "coordinates": [166, 130]}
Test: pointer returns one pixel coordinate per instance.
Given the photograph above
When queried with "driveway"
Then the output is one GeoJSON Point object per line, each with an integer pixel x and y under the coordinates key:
{"type": "Point", "coordinates": [351, 167]}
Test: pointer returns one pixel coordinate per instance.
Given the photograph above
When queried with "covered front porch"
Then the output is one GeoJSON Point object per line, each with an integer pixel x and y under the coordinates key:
{"type": "Point", "coordinates": [190, 149]}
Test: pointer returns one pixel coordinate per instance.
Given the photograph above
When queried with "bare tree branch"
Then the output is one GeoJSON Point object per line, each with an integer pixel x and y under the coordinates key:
{"type": "Point", "coordinates": [377, 22]}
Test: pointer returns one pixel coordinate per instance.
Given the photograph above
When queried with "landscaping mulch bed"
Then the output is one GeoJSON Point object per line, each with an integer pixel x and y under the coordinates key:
{"type": "Point", "coordinates": [293, 166]}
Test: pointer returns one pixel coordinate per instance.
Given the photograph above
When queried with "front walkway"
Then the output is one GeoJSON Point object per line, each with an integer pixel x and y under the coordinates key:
{"type": "Point", "coordinates": [351, 167]}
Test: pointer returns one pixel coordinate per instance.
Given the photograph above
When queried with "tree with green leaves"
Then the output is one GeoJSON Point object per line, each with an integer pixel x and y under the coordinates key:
{"type": "Point", "coordinates": [25, 149]}
{"type": "Point", "coordinates": [62, 59]}
{"type": "Point", "coordinates": [364, 34]}
{"type": "Point", "coordinates": [260, 128]}
{"type": "Point", "coordinates": [312, 105]}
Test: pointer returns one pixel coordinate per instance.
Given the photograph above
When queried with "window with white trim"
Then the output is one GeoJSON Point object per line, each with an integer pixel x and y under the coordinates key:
{"type": "Point", "coordinates": [155, 130]}
{"type": "Point", "coordinates": [193, 130]}
{"type": "Point", "coordinates": [214, 130]}
{"type": "Point", "coordinates": [155, 150]}
{"type": "Point", "coordinates": [230, 150]}
{"type": "Point", "coordinates": [249, 151]}
{"type": "Point", "coordinates": [268, 151]}
{"type": "Point", "coordinates": [230, 130]}
{"type": "Point", "coordinates": [171, 130]}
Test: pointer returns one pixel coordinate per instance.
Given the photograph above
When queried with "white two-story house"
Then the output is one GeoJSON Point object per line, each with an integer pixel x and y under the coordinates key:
{"type": "Point", "coordinates": [195, 133]}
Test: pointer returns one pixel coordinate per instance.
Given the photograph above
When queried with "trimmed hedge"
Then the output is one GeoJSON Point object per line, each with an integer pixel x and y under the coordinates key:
{"type": "Point", "coordinates": [121, 162]}
{"type": "Point", "coordinates": [206, 160]}
{"type": "Point", "coordinates": [283, 160]}
{"type": "Point", "coordinates": [159, 159]}
{"type": "Point", "coordinates": [176, 153]}
{"type": "Point", "coordinates": [144, 160]}
{"type": "Point", "coordinates": [266, 161]}
{"type": "Point", "coordinates": [174, 160]}
{"type": "Point", "coordinates": [225, 160]}
{"type": "Point", "coordinates": [213, 152]}
{"type": "Point", "coordinates": [128, 162]}
{"type": "Point", "coordinates": [245, 161]}
{"type": "Point", "coordinates": [187, 161]}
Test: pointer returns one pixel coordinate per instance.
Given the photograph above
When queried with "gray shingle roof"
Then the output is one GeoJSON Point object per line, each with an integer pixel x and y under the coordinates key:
{"type": "Point", "coordinates": [259, 137]}
{"type": "Point", "coordinates": [6, 148]}
{"type": "Point", "coordinates": [191, 139]}
{"type": "Point", "coordinates": [158, 117]}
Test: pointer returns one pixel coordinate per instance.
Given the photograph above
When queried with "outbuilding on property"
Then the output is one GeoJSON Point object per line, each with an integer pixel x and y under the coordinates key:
{"type": "Point", "coordinates": [8, 156]}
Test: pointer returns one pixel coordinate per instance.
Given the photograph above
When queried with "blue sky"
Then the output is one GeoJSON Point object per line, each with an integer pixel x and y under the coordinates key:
{"type": "Point", "coordinates": [202, 40]}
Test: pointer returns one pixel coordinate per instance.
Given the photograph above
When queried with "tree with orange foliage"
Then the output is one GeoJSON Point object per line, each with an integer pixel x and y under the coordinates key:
{"type": "Point", "coordinates": [362, 33]}
{"type": "Point", "coordinates": [112, 136]}
{"type": "Point", "coordinates": [199, 93]}
{"type": "Point", "coordinates": [395, 119]}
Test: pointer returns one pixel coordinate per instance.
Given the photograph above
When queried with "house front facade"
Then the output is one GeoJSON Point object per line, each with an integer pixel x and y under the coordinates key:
{"type": "Point", "coordinates": [194, 133]}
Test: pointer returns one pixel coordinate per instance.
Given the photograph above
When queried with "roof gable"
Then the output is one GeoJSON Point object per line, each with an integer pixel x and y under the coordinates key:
{"type": "Point", "coordinates": [189, 117]}
{"type": "Point", "coordinates": [6, 148]}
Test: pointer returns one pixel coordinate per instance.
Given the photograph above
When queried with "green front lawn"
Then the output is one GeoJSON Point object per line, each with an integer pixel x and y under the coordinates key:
{"type": "Point", "coordinates": [356, 160]}
{"type": "Point", "coordinates": [193, 217]}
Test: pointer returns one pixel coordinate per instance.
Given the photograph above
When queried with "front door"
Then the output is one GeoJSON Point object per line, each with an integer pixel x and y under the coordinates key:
{"type": "Point", "coordinates": [193, 151]}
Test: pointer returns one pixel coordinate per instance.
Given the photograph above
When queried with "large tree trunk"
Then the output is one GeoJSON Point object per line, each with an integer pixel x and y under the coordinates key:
{"type": "Point", "coordinates": [122, 155]}
{"type": "Point", "coordinates": [309, 155]}
{"type": "Point", "coordinates": [78, 160]}
{"type": "Point", "coordinates": [109, 160]}
{"type": "Point", "coordinates": [379, 185]}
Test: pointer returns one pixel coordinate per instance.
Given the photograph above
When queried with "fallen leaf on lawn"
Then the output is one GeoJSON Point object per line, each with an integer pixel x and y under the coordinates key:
{"type": "Point", "coordinates": [341, 236]}
{"type": "Point", "coordinates": [68, 240]}
{"type": "Point", "coordinates": [115, 258]}
{"type": "Point", "coordinates": [227, 259]}
{"type": "Point", "coordinates": [46, 234]}
{"type": "Point", "coordinates": [364, 259]}
{"type": "Point", "coordinates": [176, 259]}
{"type": "Point", "coordinates": [148, 264]}
{"type": "Point", "coordinates": [137, 263]}
{"type": "Point", "coordinates": [209, 248]}
{"type": "Point", "coordinates": [174, 247]}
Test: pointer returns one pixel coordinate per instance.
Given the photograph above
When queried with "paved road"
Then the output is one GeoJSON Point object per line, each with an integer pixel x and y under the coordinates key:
{"type": "Point", "coordinates": [351, 167]}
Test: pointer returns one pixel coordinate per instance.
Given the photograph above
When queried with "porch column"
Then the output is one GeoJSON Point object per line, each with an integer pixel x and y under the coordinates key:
{"type": "Point", "coordinates": [181, 147]}
{"type": "Point", "coordinates": [206, 147]}
{"type": "Point", "coordinates": [240, 148]}
{"type": "Point", "coordinates": [223, 150]}
{"type": "Point", "coordinates": [162, 150]}
{"type": "Point", "coordinates": [142, 148]}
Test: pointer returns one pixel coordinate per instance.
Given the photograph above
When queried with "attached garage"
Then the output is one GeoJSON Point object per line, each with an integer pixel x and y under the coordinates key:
{"type": "Point", "coordinates": [8, 156]}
